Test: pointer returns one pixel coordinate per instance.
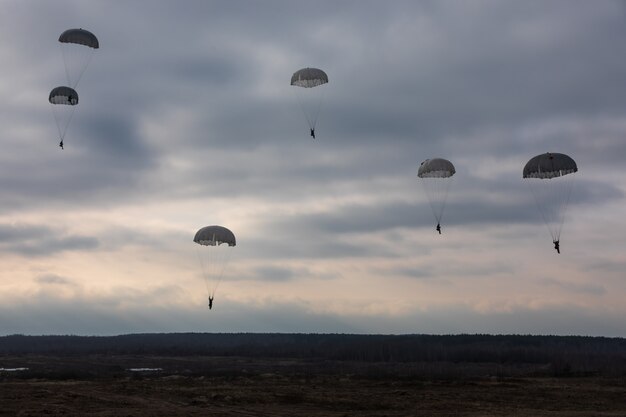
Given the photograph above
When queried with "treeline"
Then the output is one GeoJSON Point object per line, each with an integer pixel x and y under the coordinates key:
{"type": "Point", "coordinates": [564, 354]}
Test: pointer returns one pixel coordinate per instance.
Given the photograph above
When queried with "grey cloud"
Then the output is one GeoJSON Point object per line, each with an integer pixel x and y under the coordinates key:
{"type": "Point", "coordinates": [368, 218]}
{"type": "Point", "coordinates": [49, 246]}
{"type": "Point", "coordinates": [422, 273]}
{"type": "Point", "coordinates": [114, 140]}
{"type": "Point", "coordinates": [361, 219]}
{"type": "Point", "coordinates": [585, 288]}
{"type": "Point", "coordinates": [606, 266]}
{"type": "Point", "coordinates": [52, 279]}
{"type": "Point", "coordinates": [480, 71]}
{"type": "Point", "coordinates": [273, 273]}
{"type": "Point", "coordinates": [486, 203]}
{"type": "Point", "coordinates": [300, 246]}
{"type": "Point", "coordinates": [20, 231]}
{"type": "Point", "coordinates": [458, 80]}
{"type": "Point", "coordinates": [116, 238]}
{"type": "Point", "coordinates": [192, 102]}
{"type": "Point", "coordinates": [28, 240]}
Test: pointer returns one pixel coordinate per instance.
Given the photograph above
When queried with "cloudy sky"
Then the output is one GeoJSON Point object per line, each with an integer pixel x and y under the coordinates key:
{"type": "Point", "coordinates": [186, 119]}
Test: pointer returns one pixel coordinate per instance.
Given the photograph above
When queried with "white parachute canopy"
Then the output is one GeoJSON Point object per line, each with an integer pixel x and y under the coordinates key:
{"type": "Point", "coordinates": [77, 47]}
{"type": "Point", "coordinates": [436, 176]}
{"type": "Point", "coordinates": [550, 177]}
{"type": "Point", "coordinates": [63, 100]}
{"type": "Point", "coordinates": [310, 92]}
{"type": "Point", "coordinates": [214, 251]}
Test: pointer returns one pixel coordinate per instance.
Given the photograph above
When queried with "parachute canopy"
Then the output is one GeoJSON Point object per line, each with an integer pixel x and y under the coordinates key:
{"type": "Point", "coordinates": [77, 47]}
{"type": "Point", "coordinates": [436, 168]}
{"type": "Point", "coordinates": [309, 77]}
{"type": "Point", "coordinates": [80, 37]}
{"type": "Point", "coordinates": [214, 235]}
{"type": "Point", "coordinates": [63, 95]}
{"type": "Point", "coordinates": [549, 165]}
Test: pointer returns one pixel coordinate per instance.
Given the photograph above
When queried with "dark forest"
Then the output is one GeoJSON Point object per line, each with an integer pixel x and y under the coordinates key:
{"type": "Point", "coordinates": [411, 355]}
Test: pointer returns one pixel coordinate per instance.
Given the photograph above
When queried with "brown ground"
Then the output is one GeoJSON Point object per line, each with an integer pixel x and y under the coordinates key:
{"type": "Point", "coordinates": [281, 392]}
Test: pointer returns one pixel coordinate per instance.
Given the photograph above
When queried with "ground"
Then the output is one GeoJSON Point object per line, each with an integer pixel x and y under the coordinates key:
{"type": "Point", "coordinates": [261, 387]}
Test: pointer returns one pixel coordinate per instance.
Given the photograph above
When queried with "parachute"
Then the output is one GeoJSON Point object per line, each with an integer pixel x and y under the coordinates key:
{"type": "Point", "coordinates": [63, 100]}
{"type": "Point", "coordinates": [436, 177]}
{"type": "Point", "coordinates": [77, 47]}
{"type": "Point", "coordinates": [310, 97]}
{"type": "Point", "coordinates": [214, 253]}
{"type": "Point", "coordinates": [550, 179]}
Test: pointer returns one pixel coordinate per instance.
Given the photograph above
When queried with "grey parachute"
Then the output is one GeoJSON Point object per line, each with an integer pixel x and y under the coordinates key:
{"type": "Point", "coordinates": [436, 177]}
{"type": "Point", "coordinates": [63, 100]}
{"type": "Point", "coordinates": [77, 47]}
{"type": "Point", "coordinates": [550, 178]}
{"type": "Point", "coordinates": [63, 95]}
{"type": "Point", "coordinates": [310, 93]}
{"type": "Point", "coordinates": [214, 252]}
{"type": "Point", "coordinates": [309, 78]}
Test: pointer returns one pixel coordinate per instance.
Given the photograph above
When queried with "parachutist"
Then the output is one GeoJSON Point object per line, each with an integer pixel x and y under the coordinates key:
{"type": "Point", "coordinates": [66, 98]}
{"type": "Point", "coordinates": [310, 101]}
{"type": "Point", "coordinates": [214, 239]}
{"type": "Point", "coordinates": [436, 175]}
{"type": "Point", "coordinates": [551, 175]}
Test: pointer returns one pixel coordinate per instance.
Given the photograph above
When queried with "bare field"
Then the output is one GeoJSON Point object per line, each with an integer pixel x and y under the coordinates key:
{"type": "Point", "coordinates": [204, 386]}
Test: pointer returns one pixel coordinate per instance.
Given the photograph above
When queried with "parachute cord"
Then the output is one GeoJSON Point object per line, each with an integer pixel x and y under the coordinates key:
{"type": "Point", "coordinates": [316, 99]}
{"type": "Point", "coordinates": [543, 212]}
{"type": "Point", "coordinates": [225, 260]}
{"type": "Point", "coordinates": [67, 71]}
{"type": "Point", "coordinates": [69, 56]}
{"type": "Point", "coordinates": [56, 115]}
{"type": "Point", "coordinates": [431, 197]}
{"type": "Point", "coordinates": [565, 203]}
{"type": "Point", "coordinates": [205, 273]}
{"type": "Point", "coordinates": [304, 112]}
{"type": "Point", "coordinates": [213, 265]}
{"type": "Point", "coordinates": [435, 210]}
{"type": "Point", "coordinates": [445, 199]}
{"type": "Point", "coordinates": [56, 121]}
{"type": "Point", "coordinates": [69, 120]}
{"type": "Point", "coordinates": [437, 197]}
{"type": "Point", "coordinates": [546, 191]}
{"type": "Point", "coordinates": [319, 107]}
{"type": "Point", "coordinates": [82, 71]}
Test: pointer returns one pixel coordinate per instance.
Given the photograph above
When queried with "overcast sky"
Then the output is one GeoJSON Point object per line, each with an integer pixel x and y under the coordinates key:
{"type": "Point", "coordinates": [187, 119]}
